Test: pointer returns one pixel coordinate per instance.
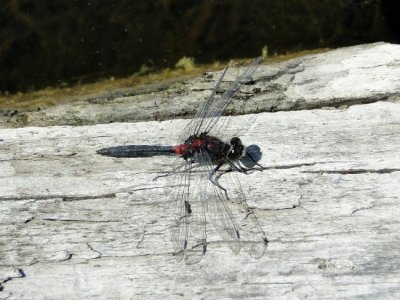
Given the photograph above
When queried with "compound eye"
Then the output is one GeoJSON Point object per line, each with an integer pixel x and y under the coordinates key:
{"type": "Point", "coordinates": [236, 141]}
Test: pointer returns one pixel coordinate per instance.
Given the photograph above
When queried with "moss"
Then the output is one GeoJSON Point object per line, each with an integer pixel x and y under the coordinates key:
{"type": "Point", "coordinates": [52, 96]}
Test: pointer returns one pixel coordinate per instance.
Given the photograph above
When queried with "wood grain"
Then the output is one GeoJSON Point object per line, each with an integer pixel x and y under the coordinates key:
{"type": "Point", "coordinates": [78, 225]}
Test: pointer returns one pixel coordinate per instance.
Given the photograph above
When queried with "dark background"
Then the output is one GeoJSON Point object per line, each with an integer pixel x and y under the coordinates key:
{"type": "Point", "coordinates": [49, 42]}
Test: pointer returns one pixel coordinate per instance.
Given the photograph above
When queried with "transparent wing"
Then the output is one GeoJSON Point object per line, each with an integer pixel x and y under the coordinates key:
{"type": "Point", "coordinates": [213, 108]}
{"type": "Point", "coordinates": [231, 216]}
{"type": "Point", "coordinates": [187, 213]}
{"type": "Point", "coordinates": [196, 123]}
{"type": "Point", "coordinates": [253, 239]}
{"type": "Point", "coordinates": [194, 200]}
{"type": "Point", "coordinates": [218, 210]}
{"type": "Point", "coordinates": [177, 193]}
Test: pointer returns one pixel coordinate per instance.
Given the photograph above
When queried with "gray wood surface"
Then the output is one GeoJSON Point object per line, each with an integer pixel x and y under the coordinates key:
{"type": "Point", "coordinates": [76, 225]}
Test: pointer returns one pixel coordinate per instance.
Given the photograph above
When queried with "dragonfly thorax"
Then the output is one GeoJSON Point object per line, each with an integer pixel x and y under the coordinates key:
{"type": "Point", "coordinates": [213, 146]}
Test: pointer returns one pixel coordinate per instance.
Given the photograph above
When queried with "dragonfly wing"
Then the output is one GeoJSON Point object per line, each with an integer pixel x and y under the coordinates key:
{"type": "Point", "coordinates": [219, 208]}
{"type": "Point", "coordinates": [253, 239]}
{"type": "Point", "coordinates": [194, 200]}
{"type": "Point", "coordinates": [214, 107]}
{"type": "Point", "coordinates": [196, 123]}
{"type": "Point", "coordinates": [188, 229]}
{"type": "Point", "coordinates": [198, 223]}
{"type": "Point", "coordinates": [176, 193]}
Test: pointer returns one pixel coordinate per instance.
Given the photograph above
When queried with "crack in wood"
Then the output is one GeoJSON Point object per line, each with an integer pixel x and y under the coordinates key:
{"type": "Point", "coordinates": [362, 208]}
{"type": "Point", "coordinates": [67, 257]}
{"type": "Point", "coordinates": [293, 166]}
{"type": "Point", "coordinates": [141, 240]}
{"type": "Point", "coordinates": [80, 198]}
{"type": "Point", "coordinates": [354, 171]}
{"type": "Point", "coordinates": [32, 197]}
{"type": "Point", "coordinates": [94, 250]}
{"type": "Point", "coordinates": [29, 219]}
{"type": "Point", "coordinates": [300, 105]}
{"type": "Point", "coordinates": [296, 205]}
{"type": "Point", "coordinates": [52, 197]}
{"type": "Point", "coordinates": [78, 220]}
{"type": "Point", "coordinates": [146, 189]}
{"type": "Point", "coordinates": [21, 274]}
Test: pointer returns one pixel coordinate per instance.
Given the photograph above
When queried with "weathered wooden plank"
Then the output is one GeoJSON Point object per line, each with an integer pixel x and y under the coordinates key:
{"type": "Point", "coordinates": [345, 76]}
{"type": "Point", "coordinates": [76, 225]}
{"type": "Point", "coordinates": [88, 226]}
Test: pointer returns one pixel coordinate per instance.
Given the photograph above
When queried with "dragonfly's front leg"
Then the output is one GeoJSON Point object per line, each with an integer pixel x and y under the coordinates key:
{"type": "Point", "coordinates": [214, 179]}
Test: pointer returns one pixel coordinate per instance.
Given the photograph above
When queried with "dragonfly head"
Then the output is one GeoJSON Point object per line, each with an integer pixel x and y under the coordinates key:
{"type": "Point", "coordinates": [236, 149]}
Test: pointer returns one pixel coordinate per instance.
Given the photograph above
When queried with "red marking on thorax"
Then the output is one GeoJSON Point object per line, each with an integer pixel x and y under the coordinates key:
{"type": "Point", "coordinates": [184, 149]}
{"type": "Point", "coordinates": [198, 144]}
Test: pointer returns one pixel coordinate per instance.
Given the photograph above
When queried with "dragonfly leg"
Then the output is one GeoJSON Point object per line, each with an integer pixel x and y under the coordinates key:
{"type": "Point", "coordinates": [240, 168]}
{"type": "Point", "coordinates": [173, 171]}
{"type": "Point", "coordinates": [214, 179]}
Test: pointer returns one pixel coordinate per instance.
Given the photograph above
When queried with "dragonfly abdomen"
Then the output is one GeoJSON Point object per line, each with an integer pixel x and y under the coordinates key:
{"type": "Point", "coordinates": [137, 151]}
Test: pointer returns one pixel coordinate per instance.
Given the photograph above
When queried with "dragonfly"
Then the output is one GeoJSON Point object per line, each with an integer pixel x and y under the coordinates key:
{"type": "Point", "coordinates": [203, 186]}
